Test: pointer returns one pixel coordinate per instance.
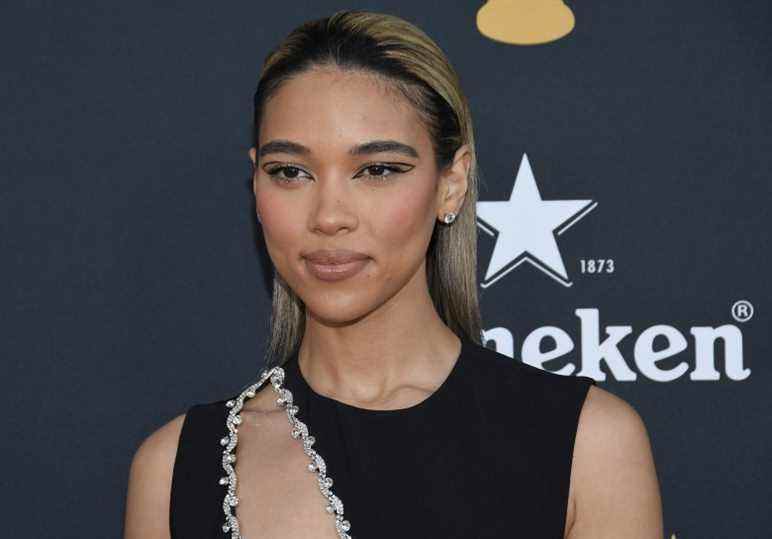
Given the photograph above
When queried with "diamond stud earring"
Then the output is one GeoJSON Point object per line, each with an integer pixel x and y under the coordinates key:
{"type": "Point", "coordinates": [449, 218]}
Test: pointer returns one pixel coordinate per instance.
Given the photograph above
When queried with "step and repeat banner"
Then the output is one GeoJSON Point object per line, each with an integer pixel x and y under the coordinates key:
{"type": "Point", "coordinates": [624, 229]}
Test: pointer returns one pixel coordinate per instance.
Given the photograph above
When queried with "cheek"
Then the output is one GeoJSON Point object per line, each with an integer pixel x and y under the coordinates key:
{"type": "Point", "coordinates": [282, 229]}
{"type": "Point", "coordinates": [403, 225]}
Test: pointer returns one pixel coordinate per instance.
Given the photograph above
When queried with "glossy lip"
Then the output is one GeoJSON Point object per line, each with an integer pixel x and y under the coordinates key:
{"type": "Point", "coordinates": [335, 264]}
{"type": "Point", "coordinates": [334, 256]}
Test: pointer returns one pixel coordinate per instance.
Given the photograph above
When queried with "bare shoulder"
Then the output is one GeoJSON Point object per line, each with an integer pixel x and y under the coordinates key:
{"type": "Point", "coordinates": [607, 417]}
{"type": "Point", "coordinates": [614, 482]}
{"type": "Point", "coordinates": [149, 485]}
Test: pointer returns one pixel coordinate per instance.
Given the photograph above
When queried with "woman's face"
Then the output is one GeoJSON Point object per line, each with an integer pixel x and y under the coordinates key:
{"type": "Point", "coordinates": [345, 164]}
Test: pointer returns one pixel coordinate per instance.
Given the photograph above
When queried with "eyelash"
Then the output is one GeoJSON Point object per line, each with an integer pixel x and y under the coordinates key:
{"type": "Point", "coordinates": [274, 172]}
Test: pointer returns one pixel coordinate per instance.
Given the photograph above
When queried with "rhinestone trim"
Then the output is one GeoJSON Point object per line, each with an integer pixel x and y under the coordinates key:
{"type": "Point", "coordinates": [299, 430]}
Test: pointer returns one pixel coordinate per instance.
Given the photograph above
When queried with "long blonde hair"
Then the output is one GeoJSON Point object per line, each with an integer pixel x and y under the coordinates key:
{"type": "Point", "coordinates": [416, 66]}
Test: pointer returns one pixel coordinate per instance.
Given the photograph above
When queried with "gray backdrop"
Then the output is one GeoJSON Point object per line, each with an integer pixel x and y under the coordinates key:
{"type": "Point", "coordinates": [131, 286]}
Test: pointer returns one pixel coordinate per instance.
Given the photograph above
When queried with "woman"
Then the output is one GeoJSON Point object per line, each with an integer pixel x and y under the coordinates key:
{"type": "Point", "coordinates": [376, 380]}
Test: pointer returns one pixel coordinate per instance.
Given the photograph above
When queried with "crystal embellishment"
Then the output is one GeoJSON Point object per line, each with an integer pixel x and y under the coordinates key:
{"type": "Point", "coordinates": [299, 431]}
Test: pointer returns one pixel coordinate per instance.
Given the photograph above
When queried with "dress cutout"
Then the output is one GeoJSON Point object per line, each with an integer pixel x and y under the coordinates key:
{"type": "Point", "coordinates": [485, 456]}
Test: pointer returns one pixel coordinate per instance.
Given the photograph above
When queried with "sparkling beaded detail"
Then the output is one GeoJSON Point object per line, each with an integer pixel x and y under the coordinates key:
{"type": "Point", "coordinates": [299, 430]}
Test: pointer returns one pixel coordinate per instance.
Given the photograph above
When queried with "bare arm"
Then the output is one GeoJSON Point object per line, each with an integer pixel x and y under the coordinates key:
{"type": "Point", "coordinates": [149, 488]}
{"type": "Point", "coordinates": [613, 477]}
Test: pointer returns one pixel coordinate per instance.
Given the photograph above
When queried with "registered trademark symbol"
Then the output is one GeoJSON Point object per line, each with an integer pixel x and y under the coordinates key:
{"type": "Point", "coordinates": [742, 310]}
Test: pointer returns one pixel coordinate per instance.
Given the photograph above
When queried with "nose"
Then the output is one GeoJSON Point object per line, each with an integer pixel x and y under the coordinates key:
{"type": "Point", "coordinates": [334, 207]}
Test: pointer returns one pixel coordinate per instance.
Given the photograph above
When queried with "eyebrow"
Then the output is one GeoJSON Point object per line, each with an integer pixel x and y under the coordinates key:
{"type": "Point", "coordinates": [374, 146]}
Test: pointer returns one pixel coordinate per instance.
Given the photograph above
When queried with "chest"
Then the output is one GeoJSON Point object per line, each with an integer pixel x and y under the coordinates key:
{"type": "Point", "coordinates": [279, 497]}
{"type": "Point", "coordinates": [391, 486]}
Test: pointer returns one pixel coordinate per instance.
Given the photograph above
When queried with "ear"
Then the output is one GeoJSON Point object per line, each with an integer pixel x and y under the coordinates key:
{"type": "Point", "coordinates": [253, 158]}
{"type": "Point", "coordinates": [454, 182]}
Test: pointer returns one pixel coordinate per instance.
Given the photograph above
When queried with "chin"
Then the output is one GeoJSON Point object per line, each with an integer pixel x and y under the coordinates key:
{"type": "Point", "coordinates": [338, 309]}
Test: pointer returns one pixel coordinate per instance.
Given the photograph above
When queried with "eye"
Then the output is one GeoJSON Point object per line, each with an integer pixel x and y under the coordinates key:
{"type": "Point", "coordinates": [290, 173]}
{"type": "Point", "coordinates": [287, 174]}
{"type": "Point", "coordinates": [382, 171]}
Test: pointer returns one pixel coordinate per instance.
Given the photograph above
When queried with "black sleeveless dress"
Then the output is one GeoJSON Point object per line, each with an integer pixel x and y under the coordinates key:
{"type": "Point", "coordinates": [486, 456]}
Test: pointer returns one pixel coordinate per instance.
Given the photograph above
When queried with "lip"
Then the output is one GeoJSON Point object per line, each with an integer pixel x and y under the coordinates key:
{"type": "Point", "coordinates": [335, 264]}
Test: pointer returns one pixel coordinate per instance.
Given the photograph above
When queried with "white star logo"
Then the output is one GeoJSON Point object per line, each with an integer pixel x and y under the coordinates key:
{"type": "Point", "coordinates": [525, 227]}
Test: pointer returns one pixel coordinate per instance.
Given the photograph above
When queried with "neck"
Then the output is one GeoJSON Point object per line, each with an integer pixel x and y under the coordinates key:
{"type": "Point", "coordinates": [392, 358]}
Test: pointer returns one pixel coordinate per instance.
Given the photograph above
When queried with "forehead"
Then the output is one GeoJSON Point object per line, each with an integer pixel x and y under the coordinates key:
{"type": "Point", "coordinates": [330, 110]}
